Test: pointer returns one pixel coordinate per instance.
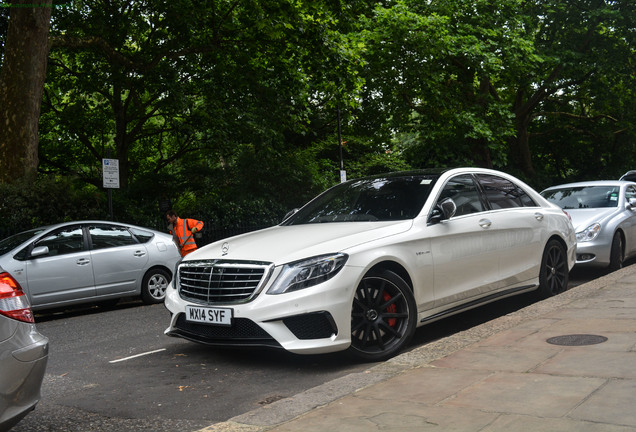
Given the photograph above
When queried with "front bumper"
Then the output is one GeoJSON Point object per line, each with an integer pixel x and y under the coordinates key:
{"type": "Point", "coordinates": [594, 253]}
{"type": "Point", "coordinates": [309, 321]}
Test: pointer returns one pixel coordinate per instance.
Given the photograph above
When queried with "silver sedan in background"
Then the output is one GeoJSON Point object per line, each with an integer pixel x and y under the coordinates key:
{"type": "Point", "coordinates": [89, 262]}
{"type": "Point", "coordinates": [604, 217]}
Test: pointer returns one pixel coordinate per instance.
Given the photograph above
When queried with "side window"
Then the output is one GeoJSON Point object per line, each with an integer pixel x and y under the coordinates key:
{"type": "Point", "coordinates": [502, 193]}
{"type": "Point", "coordinates": [142, 236]}
{"type": "Point", "coordinates": [108, 236]}
{"type": "Point", "coordinates": [463, 191]}
{"type": "Point", "coordinates": [64, 241]}
{"type": "Point", "coordinates": [630, 192]}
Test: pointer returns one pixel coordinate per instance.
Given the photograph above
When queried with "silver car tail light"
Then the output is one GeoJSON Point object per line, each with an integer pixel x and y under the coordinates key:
{"type": "Point", "coordinates": [13, 302]}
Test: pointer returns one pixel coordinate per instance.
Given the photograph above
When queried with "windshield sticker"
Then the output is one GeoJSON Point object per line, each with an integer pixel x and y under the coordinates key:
{"type": "Point", "coordinates": [426, 182]}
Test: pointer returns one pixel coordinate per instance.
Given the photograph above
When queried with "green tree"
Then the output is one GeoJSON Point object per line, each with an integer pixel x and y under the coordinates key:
{"type": "Point", "coordinates": [468, 82]}
{"type": "Point", "coordinates": [191, 95]}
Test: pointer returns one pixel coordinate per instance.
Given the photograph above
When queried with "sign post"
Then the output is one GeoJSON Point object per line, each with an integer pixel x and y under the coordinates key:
{"type": "Point", "coordinates": [343, 173]}
{"type": "Point", "coordinates": [110, 172]}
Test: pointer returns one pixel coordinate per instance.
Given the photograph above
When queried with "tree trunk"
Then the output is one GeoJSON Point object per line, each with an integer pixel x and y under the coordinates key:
{"type": "Point", "coordinates": [21, 86]}
{"type": "Point", "coordinates": [521, 145]}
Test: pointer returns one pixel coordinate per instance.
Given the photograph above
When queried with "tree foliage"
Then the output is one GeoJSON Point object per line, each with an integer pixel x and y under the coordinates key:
{"type": "Point", "coordinates": [485, 82]}
{"type": "Point", "coordinates": [229, 109]}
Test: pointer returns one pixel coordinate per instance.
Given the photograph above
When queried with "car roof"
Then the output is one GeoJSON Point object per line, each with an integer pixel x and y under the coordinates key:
{"type": "Point", "coordinates": [90, 222]}
{"type": "Point", "coordinates": [433, 172]}
{"type": "Point", "coordinates": [592, 183]}
{"type": "Point", "coordinates": [396, 174]}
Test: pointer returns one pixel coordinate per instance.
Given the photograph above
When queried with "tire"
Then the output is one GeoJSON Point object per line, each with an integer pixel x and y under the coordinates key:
{"type": "Point", "coordinates": [554, 272]}
{"type": "Point", "coordinates": [154, 285]}
{"type": "Point", "coordinates": [383, 317]}
{"type": "Point", "coordinates": [617, 253]}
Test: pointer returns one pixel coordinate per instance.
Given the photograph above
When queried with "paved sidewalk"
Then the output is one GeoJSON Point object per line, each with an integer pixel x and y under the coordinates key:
{"type": "Point", "coordinates": [503, 375]}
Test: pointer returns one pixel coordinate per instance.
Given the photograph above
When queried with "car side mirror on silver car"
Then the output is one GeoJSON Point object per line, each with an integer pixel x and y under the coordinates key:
{"type": "Point", "coordinates": [631, 203]}
{"type": "Point", "coordinates": [444, 209]}
{"type": "Point", "coordinates": [39, 251]}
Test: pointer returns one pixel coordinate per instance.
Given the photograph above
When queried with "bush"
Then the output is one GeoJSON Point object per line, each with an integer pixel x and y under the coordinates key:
{"type": "Point", "coordinates": [46, 201]}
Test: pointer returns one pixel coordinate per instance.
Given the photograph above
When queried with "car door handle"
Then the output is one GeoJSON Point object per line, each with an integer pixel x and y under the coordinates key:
{"type": "Point", "coordinates": [538, 216]}
{"type": "Point", "coordinates": [83, 261]}
{"type": "Point", "coordinates": [139, 253]}
{"type": "Point", "coordinates": [485, 223]}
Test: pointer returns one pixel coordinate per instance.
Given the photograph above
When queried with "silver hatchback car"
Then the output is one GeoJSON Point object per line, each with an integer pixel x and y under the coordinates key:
{"type": "Point", "coordinates": [90, 262]}
{"type": "Point", "coordinates": [23, 354]}
{"type": "Point", "coordinates": [604, 216]}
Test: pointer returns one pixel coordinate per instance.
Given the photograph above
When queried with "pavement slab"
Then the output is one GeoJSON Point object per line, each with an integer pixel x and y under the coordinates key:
{"type": "Point", "coordinates": [528, 394]}
{"type": "Point", "coordinates": [612, 404]}
{"type": "Point", "coordinates": [518, 423]}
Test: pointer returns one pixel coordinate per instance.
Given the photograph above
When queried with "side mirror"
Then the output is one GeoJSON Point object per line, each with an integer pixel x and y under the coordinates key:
{"type": "Point", "coordinates": [631, 203]}
{"type": "Point", "coordinates": [39, 251]}
{"type": "Point", "coordinates": [445, 209]}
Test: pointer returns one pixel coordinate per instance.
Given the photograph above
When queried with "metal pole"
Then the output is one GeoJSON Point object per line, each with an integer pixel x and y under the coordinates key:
{"type": "Point", "coordinates": [343, 175]}
{"type": "Point", "coordinates": [110, 193]}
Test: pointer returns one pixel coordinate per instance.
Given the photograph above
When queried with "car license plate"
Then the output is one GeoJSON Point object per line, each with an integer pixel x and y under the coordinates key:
{"type": "Point", "coordinates": [216, 316]}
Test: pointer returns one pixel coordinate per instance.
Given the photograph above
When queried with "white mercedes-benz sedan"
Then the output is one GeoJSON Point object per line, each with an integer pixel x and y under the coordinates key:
{"type": "Point", "coordinates": [362, 265]}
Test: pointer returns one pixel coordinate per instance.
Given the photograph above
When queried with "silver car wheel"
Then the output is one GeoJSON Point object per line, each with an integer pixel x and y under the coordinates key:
{"type": "Point", "coordinates": [154, 286]}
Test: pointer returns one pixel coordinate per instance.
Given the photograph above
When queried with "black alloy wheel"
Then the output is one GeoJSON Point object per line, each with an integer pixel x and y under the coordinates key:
{"type": "Point", "coordinates": [154, 285]}
{"type": "Point", "coordinates": [617, 253]}
{"type": "Point", "coordinates": [554, 272]}
{"type": "Point", "coordinates": [383, 317]}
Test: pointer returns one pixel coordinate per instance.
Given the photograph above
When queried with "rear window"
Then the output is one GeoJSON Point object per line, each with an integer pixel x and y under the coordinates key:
{"type": "Point", "coordinates": [502, 193]}
{"type": "Point", "coordinates": [141, 235]}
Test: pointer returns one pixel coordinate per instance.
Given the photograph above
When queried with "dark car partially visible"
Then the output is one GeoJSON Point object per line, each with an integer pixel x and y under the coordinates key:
{"type": "Point", "coordinates": [23, 354]}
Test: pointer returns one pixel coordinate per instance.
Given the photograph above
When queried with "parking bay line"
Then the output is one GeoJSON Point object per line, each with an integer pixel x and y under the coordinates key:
{"type": "Point", "coordinates": [136, 355]}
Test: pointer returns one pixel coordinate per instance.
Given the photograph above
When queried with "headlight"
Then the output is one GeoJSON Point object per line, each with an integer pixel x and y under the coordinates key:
{"type": "Point", "coordinates": [589, 233]}
{"type": "Point", "coordinates": [307, 273]}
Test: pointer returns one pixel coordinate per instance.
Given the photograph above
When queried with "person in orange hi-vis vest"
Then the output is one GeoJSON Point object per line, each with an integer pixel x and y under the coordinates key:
{"type": "Point", "coordinates": [182, 231]}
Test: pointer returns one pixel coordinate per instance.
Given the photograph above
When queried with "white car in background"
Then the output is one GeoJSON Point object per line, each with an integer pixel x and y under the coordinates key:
{"type": "Point", "coordinates": [363, 264]}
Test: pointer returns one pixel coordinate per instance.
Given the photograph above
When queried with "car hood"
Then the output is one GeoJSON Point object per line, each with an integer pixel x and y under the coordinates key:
{"type": "Point", "coordinates": [284, 244]}
{"type": "Point", "coordinates": [583, 218]}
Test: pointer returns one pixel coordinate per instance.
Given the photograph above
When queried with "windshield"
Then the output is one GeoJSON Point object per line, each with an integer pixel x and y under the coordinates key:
{"type": "Point", "coordinates": [16, 240]}
{"type": "Point", "coordinates": [584, 197]}
{"type": "Point", "coordinates": [372, 199]}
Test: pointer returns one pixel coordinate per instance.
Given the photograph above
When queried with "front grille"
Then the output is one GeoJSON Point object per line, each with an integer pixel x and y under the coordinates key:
{"type": "Point", "coordinates": [243, 332]}
{"type": "Point", "coordinates": [221, 282]}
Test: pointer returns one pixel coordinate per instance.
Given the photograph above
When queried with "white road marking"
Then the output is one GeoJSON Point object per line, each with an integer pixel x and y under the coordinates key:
{"type": "Point", "coordinates": [137, 355]}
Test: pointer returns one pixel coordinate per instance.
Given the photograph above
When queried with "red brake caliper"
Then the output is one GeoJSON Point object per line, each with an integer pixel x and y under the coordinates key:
{"type": "Point", "coordinates": [391, 309]}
